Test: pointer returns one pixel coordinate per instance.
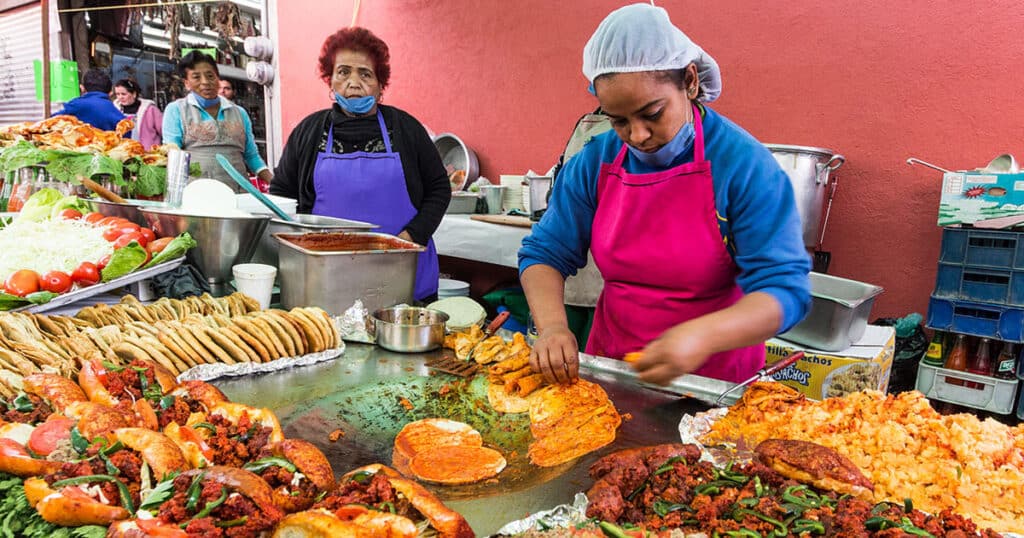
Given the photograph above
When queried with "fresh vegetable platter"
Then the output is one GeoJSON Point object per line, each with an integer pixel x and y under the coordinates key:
{"type": "Point", "coordinates": [53, 250]}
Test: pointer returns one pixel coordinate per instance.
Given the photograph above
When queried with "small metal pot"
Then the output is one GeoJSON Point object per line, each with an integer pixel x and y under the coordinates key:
{"type": "Point", "coordinates": [409, 329]}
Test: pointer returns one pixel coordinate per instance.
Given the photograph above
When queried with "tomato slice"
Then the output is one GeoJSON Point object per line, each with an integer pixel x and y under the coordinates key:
{"type": "Point", "coordinates": [93, 218]}
{"type": "Point", "coordinates": [159, 529]}
{"type": "Point", "coordinates": [191, 436]}
{"type": "Point", "coordinates": [10, 447]}
{"type": "Point", "coordinates": [45, 437]}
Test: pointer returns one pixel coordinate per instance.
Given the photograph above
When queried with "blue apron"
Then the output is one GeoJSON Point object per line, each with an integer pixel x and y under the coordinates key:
{"type": "Point", "coordinates": [371, 187]}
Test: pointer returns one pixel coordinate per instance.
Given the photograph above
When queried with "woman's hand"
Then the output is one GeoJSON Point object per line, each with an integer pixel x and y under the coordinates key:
{"type": "Point", "coordinates": [679, 350]}
{"type": "Point", "coordinates": [556, 355]}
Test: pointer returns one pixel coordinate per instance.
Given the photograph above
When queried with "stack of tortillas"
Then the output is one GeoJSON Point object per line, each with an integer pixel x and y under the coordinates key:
{"type": "Point", "coordinates": [444, 451]}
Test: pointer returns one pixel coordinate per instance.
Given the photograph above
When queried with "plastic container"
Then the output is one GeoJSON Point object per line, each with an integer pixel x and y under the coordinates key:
{"type": "Point", "coordinates": [839, 313]}
{"type": "Point", "coordinates": [249, 203]}
{"type": "Point", "coordinates": [447, 287]}
{"type": "Point", "coordinates": [1000, 322]}
{"type": "Point", "coordinates": [976, 391]}
{"type": "Point", "coordinates": [982, 284]}
{"type": "Point", "coordinates": [983, 248]}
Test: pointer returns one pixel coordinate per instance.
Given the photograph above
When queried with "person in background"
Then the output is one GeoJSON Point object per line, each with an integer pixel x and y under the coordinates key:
{"type": "Point", "coordinates": [205, 124]}
{"type": "Point", "coordinates": [690, 220]}
{"type": "Point", "coordinates": [145, 113]}
{"type": "Point", "coordinates": [363, 160]}
{"type": "Point", "coordinates": [94, 106]}
{"type": "Point", "coordinates": [227, 89]}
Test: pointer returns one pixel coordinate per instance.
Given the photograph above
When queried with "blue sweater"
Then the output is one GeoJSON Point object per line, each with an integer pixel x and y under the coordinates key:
{"type": "Point", "coordinates": [94, 108]}
{"type": "Point", "coordinates": [753, 196]}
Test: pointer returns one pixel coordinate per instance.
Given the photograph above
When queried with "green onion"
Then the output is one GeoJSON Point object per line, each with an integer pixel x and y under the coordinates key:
{"type": "Point", "coordinates": [232, 522]}
{"type": "Point", "coordinates": [320, 497]}
{"type": "Point", "coordinates": [758, 487]}
{"type": "Point", "coordinates": [744, 533]}
{"type": "Point", "coordinates": [167, 402]}
{"type": "Point", "coordinates": [263, 464]}
{"type": "Point", "coordinates": [158, 495]}
{"type": "Point", "coordinates": [78, 442]}
{"type": "Point", "coordinates": [668, 465]}
{"type": "Point", "coordinates": [801, 526]}
{"type": "Point", "coordinates": [663, 507]}
{"type": "Point", "coordinates": [117, 446]}
{"type": "Point", "coordinates": [23, 404]}
{"type": "Point", "coordinates": [193, 492]}
{"type": "Point", "coordinates": [706, 489]}
{"type": "Point", "coordinates": [205, 425]}
{"type": "Point", "coordinates": [878, 524]}
{"type": "Point", "coordinates": [749, 501]}
{"type": "Point", "coordinates": [361, 477]}
{"type": "Point", "coordinates": [909, 527]}
{"type": "Point", "coordinates": [122, 489]}
{"type": "Point", "coordinates": [112, 367]}
{"type": "Point", "coordinates": [612, 530]}
{"type": "Point", "coordinates": [390, 506]}
{"type": "Point", "coordinates": [211, 506]}
{"type": "Point", "coordinates": [908, 505]}
{"type": "Point", "coordinates": [141, 370]}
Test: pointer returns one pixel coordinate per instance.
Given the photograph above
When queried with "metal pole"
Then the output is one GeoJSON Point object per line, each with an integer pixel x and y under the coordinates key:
{"type": "Point", "coordinates": [46, 57]}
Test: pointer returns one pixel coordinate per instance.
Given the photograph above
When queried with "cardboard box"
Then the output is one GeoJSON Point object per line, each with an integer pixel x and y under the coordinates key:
{"type": "Point", "coordinates": [823, 374]}
{"type": "Point", "coordinates": [971, 197]}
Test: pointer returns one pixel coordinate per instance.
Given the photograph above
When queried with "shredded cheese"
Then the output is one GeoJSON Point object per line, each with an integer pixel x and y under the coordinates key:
{"type": "Point", "coordinates": [95, 492]}
{"type": "Point", "coordinates": [50, 245]}
{"type": "Point", "coordinates": [296, 478]}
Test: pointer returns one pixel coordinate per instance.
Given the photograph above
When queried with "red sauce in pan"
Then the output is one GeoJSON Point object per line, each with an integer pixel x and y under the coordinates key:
{"type": "Point", "coordinates": [348, 242]}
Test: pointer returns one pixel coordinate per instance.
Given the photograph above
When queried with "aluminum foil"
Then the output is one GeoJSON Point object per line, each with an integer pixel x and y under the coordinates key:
{"type": "Point", "coordinates": [207, 372]}
{"type": "Point", "coordinates": [354, 324]}
{"type": "Point", "coordinates": [562, 516]}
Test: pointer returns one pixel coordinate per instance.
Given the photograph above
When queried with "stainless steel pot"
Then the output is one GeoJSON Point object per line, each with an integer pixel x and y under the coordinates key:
{"type": "Point", "coordinates": [267, 249]}
{"type": "Point", "coordinates": [409, 329]}
{"type": "Point", "coordinates": [808, 170]}
{"type": "Point", "coordinates": [458, 156]}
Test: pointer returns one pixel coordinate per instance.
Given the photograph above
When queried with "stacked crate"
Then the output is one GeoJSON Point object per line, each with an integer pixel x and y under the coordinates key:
{"type": "Point", "coordinates": [979, 291]}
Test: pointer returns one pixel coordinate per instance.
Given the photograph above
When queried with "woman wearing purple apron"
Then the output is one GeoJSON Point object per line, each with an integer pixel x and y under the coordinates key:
{"type": "Point", "coordinates": [690, 220]}
{"type": "Point", "coordinates": [366, 161]}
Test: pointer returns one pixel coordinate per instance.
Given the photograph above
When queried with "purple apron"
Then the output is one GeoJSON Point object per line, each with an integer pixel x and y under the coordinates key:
{"type": "Point", "coordinates": [371, 187]}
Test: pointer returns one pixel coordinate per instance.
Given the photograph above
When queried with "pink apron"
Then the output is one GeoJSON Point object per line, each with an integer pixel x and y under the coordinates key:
{"type": "Point", "coordinates": [657, 243]}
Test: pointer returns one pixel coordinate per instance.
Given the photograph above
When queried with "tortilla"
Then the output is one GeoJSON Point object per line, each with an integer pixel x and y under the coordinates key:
{"type": "Point", "coordinates": [250, 353]}
{"type": "Point", "coordinates": [225, 343]}
{"type": "Point", "coordinates": [320, 324]}
{"type": "Point", "coordinates": [279, 330]}
{"type": "Point", "coordinates": [452, 465]}
{"type": "Point", "coordinates": [262, 328]}
{"type": "Point", "coordinates": [215, 353]}
{"type": "Point", "coordinates": [253, 342]}
{"type": "Point", "coordinates": [431, 433]}
{"type": "Point", "coordinates": [503, 402]}
{"type": "Point", "coordinates": [314, 336]}
{"type": "Point", "coordinates": [176, 348]}
{"type": "Point", "coordinates": [288, 325]}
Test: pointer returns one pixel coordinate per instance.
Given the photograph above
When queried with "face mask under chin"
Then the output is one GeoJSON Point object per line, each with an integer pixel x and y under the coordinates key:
{"type": "Point", "coordinates": [664, 156]}
{"type": "Point", "coordinates": [356, 105]}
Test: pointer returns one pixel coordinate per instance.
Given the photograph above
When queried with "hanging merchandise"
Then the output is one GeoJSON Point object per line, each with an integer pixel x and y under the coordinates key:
{"type": "Point", "coordinates": [260, 72]}
{"type": "Point", "coordinates": [259, 47]}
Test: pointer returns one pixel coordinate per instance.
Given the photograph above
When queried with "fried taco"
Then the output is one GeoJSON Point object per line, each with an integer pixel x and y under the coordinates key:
{"type": "Point", "coordinates": [230, 434]}
{"type": "Point", "coordinates": [136, 387]}
{"type": "Point", "coordinates": [297, 472]}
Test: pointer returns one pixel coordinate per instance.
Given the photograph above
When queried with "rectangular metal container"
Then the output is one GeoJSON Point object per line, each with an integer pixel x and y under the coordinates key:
{"type": "Point", "coordinates": [839, 313]}
{"type": "Point", "coordinates": [333, 269]}
{"type": "Point", "coordinates": [463, 203]}
{"type": "Point", "coordinates": [267, 248]}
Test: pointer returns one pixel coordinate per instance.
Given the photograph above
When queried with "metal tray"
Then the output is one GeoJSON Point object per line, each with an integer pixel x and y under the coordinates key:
{"type": "Point", "coordinates": [839, 313]}
{"type": "Point", "coordinates": [85, 293]}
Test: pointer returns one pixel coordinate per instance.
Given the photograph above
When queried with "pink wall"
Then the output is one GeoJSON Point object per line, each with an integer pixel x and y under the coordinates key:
{"type": "Point", "coordinates": [877, 81]}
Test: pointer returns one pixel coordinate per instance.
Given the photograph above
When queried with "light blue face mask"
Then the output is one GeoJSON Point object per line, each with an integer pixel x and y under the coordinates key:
{"type": "Point", "coordinates": [668, 153]}
{"type": "Point", "coordinates": [356, 105]}
{"type": "Point", "coordinates": [206, 103]}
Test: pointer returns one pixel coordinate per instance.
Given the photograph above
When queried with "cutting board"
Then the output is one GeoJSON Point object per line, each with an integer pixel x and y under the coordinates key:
{"type": "Point", "coordinates": [508, 220]}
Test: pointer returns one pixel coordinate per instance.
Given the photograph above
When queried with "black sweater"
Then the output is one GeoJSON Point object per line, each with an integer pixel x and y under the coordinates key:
{"type": "Point", "coordinates": [425, 175]}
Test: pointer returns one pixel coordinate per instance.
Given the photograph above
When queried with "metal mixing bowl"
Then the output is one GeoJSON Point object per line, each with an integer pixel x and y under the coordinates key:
{"type": "Point", "coordinates": [223, 241]}
{"type": "Point", "coordinates": [129, 210]}
{"type": "Point", "coordinates": [409, 329]}
{"type": "Point", "coordinates": [455, 153]}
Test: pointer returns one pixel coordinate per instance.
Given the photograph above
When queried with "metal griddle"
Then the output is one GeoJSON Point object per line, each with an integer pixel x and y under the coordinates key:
{"type": "Point", "coordinates": [363, 393]}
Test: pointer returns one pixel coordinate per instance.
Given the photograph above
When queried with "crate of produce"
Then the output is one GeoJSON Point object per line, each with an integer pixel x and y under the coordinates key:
{"type": "Point", "coordinates": [983, 248]}
{"type": "Point", "coordinates": [999, 322]}
{"type": "Point", "coordinates": [972, 390]}
{"type": "Point", "coordinates": [981, 284]}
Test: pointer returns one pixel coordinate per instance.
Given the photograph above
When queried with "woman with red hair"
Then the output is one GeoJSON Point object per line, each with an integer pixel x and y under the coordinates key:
{"type": "Point", "coordinates": [363, 160]}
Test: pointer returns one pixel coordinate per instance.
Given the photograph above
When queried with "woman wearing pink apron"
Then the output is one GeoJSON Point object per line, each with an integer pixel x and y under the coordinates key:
{"type": "Point", "coordinates": [690, 220]}
{"type": "Point", "coordinates": [365, 161]}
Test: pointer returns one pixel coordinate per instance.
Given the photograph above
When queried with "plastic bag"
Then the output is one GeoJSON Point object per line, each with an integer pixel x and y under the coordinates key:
{"type": "Point", "coordinates": [911, 344]}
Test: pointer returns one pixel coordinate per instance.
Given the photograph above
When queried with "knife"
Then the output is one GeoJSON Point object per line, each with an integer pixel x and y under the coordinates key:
{"type": "Point", "coordinates": [492, 328]}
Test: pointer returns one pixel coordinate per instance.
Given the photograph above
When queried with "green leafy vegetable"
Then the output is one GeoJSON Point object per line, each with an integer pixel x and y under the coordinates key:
{"type": "Point", "coordinates": [124, 260]}
{"type": "Point", "coordinates": [68, 166]}
{"type": "Point", "coordinates": [22, 404]}
{"type": "Point", "coordinates": [175, 249]}
{"type": "Point", "coordinates": [149, 180]}
{"type": "Point", "coordinates": [78, 441]}
{"type": "Point", "coordinates": [261, 465]}
{"type": "Point", "coordinates": [17, 518]}
{"type": "Point", "coordinates": [19, 155]}
{"type": "Point", "coordinates": [38, 206]}
{"type": "Point", "coordinates": [69, 202]}
{"type": "Point", "coordinates": [159, 495]}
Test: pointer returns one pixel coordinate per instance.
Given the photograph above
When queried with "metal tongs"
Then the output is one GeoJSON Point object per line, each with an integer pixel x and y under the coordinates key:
{"type": "Point", "coordinates": [492, 328]}
{"type": "Point", "coordinates": [767, 371]}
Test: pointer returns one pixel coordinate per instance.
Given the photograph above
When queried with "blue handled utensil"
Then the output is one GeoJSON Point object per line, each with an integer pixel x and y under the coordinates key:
{"type": "Point", "coordinates": [251, 189]}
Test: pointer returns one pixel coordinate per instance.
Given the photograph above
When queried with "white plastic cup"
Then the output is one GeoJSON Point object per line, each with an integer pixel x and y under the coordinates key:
{"type": "Point", "coordinates": [255, 280]}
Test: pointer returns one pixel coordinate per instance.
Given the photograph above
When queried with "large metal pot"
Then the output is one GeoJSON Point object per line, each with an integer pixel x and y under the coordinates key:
{"type": "Point", "coordinates": [808, 170]}
{"type": "Point", "coordinates": [456, 155]}
{"type": "Point", "coordinates": [409, 329]}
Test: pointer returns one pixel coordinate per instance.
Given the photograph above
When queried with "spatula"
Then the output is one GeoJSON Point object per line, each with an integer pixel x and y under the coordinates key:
{"type": "Point", "coordinates": [767, 371]}
{"type": "Point", "coordinates": [251, 189]}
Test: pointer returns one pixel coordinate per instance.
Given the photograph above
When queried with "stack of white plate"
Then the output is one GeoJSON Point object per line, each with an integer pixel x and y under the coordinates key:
{"type": "Point", "coordinates": [447, 287]}
{"type": "Point", "coordinates": [513, 197]}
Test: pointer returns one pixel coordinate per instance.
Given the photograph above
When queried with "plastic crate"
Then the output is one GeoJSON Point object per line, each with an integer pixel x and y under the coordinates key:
{"type": "Point", "coordinates": [981, 284]}
{"type": "Point", "coordinates": [999, 322]}
{"type": "Point", "coordinates": [977, 391]}
{"type": "Point", "coordinates": [983, 248]}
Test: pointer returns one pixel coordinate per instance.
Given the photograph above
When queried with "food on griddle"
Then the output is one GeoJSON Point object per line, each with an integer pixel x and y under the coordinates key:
{"type": "Point", "coordinates": [463, 342]}
{"type": "Point", "coordinates": [187, 399]}
{"type": "Point", "coordinates": [382, 489]}
{"type": "Point", "coordinates": [231, 434]}
{"type": "Point", "coordinates": [525, 385]}
{"type": "Point", "coordinates": [95, 420]}
{"type": "Point", "coordinates": [137, 387]}
{"type": "Point", "coordinates": [902, 445]}
{"type": "Point", "coordinates": [811, 463]}
{"type": "Point", "coordinates": [297, 472]}
{"type": "Point", "coordinates": [427, 434]}
{"type": "Point", "coordinates": [215, 501]}
{"type": "Point", "coordinates": [460, 464]}
{"type": "Point", "coordinates": [504, 402]}
{"type": "Point", "coordinates": [668, 487]}
{"type": "Point", "coordinates": [568, 421]}
{"type": "Point", "coordinates": [41, 396]}
{"type": "Point", "coordinates": [350, 521]}
{"type": "Point", "coordinates": [104, 486]}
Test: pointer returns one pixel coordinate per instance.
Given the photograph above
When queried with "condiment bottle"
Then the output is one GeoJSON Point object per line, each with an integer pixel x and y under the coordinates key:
{"type": "Point", "coordinates": [957, 359]}
{"type": "Point", "coordinates": [933, 357]}
{"type": "Point", "coordinates": [1006, 364]}
{"type": "Point", "coordinates": [981, 363]}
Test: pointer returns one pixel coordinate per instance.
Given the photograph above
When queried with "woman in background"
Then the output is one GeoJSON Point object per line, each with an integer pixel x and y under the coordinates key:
{"type": "Point", "coordinates": [148, 119]}
{"type": "Point", "coordinates": [362, 160]}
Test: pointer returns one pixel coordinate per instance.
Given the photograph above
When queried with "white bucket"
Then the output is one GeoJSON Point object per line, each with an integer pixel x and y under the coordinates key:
{"type": "Point", "coordinates": [447, 287]}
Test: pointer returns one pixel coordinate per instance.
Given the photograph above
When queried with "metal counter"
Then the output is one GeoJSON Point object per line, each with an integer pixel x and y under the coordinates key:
{"type": "Point", "coordinates": [370, 393]}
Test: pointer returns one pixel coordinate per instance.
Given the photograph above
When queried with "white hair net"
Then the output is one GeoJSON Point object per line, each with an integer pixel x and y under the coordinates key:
{"type": "Point", "coordinates": [640, 37]}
